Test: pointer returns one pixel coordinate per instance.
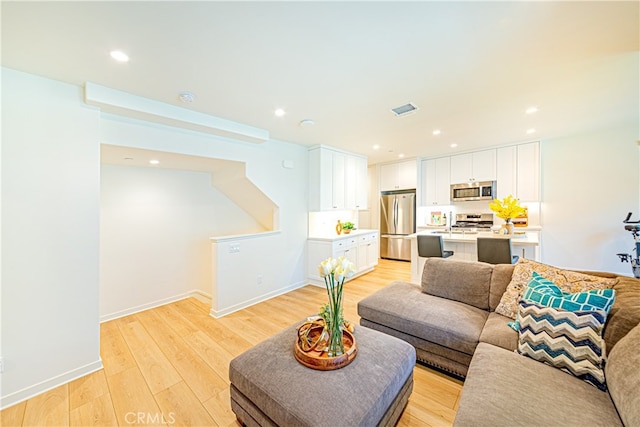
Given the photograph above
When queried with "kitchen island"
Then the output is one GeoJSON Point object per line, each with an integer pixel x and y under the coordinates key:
{"type": "Point", "coordinates": [524, 243]}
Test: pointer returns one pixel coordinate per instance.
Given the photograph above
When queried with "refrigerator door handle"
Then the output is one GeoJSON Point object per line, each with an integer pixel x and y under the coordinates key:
{"type": "Point", "coordinates": [395, 214]}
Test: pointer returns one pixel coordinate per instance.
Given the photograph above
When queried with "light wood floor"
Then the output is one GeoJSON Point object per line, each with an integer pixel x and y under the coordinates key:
{"type": "Point", "coordinates": [169, 365]}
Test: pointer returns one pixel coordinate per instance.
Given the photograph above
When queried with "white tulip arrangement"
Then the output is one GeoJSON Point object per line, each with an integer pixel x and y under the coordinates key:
{"type": "Point", "coordinates": [335, 272]}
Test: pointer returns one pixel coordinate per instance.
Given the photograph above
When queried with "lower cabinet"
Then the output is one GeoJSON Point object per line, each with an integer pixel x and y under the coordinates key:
{"type": "Point", "coordinates": [361, 249]}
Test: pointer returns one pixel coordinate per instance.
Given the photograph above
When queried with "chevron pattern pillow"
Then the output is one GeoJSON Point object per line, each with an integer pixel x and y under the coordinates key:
{"type": "Point", "coordinates": [567, 340]}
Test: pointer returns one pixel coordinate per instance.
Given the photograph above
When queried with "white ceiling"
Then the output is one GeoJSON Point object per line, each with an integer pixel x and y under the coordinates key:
{"type": "Point", "coordinates": [472, 68]}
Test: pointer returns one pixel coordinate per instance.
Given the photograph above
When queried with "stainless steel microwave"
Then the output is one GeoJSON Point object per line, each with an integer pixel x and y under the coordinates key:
{"type": "Point", "coordinates": [485, 190]}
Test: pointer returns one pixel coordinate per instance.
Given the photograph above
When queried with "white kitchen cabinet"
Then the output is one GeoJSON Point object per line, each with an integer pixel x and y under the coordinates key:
{"type": "Point", "coordinates": [356, 189]}
{"type": "Point", "coordinates": [435, 188]}
{"type": "Point", "coordinates": [528, 176]}
{"type": "Point", "coordinates": [399, 175]}
{"type": "Point", "coordinates": [359, 248]}
{"type": "Point", "coordinates": [336, 180]}
{"type": "Point", "coordinates": [367, 252]}
{"type": "Point", "coordinates": [519, 172]}
{"type": "Point", "coordinates": [476, 166]}
{"type": "Point", "coordinates": [506, 174]}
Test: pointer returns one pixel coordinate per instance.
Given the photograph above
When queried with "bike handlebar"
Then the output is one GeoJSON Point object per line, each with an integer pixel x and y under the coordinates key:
{"type": "Point", "coordinates": [626, 220]}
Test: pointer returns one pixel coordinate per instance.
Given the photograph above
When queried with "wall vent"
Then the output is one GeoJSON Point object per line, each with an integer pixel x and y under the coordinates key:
{"type": "Point", "coordinates": [404, 109]}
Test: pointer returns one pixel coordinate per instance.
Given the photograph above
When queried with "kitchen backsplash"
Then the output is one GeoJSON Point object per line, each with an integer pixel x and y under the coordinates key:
{"type": "Point", "coordinates": [322, 224]}
{"type": "Point", "coordinates": [424, 213]}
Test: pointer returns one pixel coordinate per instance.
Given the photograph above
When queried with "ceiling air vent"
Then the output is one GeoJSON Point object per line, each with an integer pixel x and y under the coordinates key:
{"type": "Point", "coordinates": [404, 109]}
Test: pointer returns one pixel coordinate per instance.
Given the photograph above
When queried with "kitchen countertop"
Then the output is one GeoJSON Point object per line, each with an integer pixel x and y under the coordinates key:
{"type": "Point", "coordinates": [334, 237]}
{"type": "Point", "coordinates": [528, 239]}
{"type": "Point", "coordinates": [444, 227]}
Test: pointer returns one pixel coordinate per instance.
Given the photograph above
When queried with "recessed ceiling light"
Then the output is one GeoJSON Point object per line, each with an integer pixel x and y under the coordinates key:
{"type": "Point", "coordinates": [279, 112]}
{"type": "Point", "coordinates": [530, 131]}
{"type": "Point", "coordinates": [128, 158]}
{"type": "Point", "coordinates": [532, 110]}
{"type": "Point", "coordinates": [306, 122]}
{"type": "Point", "coordinates": [436, 132]}
{"type": "Point", "coordinates": [119, 56]}
{"type": "Point", "coordinates": [376, 147]}
{"type": "Point", "coordinates": [154, 162]}
{"type": "Point", "coordinates": [453, 145]}
{"type": "Point", "coordinates": [401, 155]}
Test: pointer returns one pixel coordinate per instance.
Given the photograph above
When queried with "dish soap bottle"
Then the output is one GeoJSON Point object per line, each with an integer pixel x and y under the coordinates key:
{"type": "Point", "coordinates": [444, 219]}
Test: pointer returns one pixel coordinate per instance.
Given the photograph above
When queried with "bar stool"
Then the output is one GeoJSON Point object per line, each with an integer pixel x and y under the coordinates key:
{"type": "Point", "coordinates": [432, 246]}
{"type": "Point", "coordinates": [496, 250]}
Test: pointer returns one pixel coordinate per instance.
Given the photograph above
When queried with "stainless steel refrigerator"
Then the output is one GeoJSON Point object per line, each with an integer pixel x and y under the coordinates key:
{"type": "Point", "coordinates": [397, 220]}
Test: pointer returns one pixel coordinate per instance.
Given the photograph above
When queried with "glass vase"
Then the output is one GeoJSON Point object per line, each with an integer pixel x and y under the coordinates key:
{"type": "Point", "coordinates": [335, 345]}
{"type": "Point", "coordinates": [507, 227]}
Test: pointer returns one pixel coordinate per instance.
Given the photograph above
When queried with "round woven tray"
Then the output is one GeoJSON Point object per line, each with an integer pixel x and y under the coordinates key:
{"type": "Point", "coordinates": [320, 360]}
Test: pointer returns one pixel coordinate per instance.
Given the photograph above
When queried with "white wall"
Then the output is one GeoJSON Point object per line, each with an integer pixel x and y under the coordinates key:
{"type": "Point", "coordinates": [286, 187]}
{"type": "Point", "coordinates": [589, 183]}
{"type": "Point", "coordinates": [155, 226]}
{"type": "Point", "coordinates": [50, 226]}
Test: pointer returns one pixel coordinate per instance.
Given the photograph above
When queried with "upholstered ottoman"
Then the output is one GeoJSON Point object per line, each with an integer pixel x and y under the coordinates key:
{"type": "Point", "coordinates": [270, 387]}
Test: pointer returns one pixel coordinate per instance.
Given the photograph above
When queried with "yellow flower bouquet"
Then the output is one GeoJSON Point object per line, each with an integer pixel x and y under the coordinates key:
{"type": "Point", "coordinates": [507, 208]}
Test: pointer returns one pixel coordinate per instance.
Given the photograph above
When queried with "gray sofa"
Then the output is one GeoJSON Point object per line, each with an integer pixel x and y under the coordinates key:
{"type": "Point", "coordinates": [451, 321]}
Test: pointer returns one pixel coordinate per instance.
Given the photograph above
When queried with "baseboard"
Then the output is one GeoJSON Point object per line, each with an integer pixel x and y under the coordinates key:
{"type": "Point", "coordinates": [50, 384]}
{"type": "Point", "coordinates": [198, 294]}
{"type": "Point", "coordinates": [201, 296]}
{"type": "Point", "coordinates": [244, 304]}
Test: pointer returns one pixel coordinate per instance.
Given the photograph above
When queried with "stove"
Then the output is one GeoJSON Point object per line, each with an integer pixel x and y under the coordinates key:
{"type": "Point", "coordinates": [470, 221]}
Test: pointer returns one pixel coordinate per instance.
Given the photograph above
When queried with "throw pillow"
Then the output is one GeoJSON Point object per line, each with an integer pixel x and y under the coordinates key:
{"type": "Point", "coordinates": [567, 340]}
{"type": "Point", "coordinates": [544, 292]}
{"type": "Point", "coordinates": [568, 281]}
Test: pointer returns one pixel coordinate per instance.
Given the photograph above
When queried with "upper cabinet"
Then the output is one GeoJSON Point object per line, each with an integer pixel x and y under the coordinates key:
{"type": "Point", "coordinates": [519, 171]}
{"type": "Point", "coordinates": [507, 161]}
{"type": "Point", "coordinates": [476, 166]}
{"type": "Point", "coordinates": [435, 188]}
{"type": "Point", "coordinates": [398, 176]}
{"type": "Point", "coordinates": [337, 180]}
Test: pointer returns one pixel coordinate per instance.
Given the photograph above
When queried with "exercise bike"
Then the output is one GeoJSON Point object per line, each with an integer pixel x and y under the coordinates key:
{"type": "Point", "coordinates": [634, 228]}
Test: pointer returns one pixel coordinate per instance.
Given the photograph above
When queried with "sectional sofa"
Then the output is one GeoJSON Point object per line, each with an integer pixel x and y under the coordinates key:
{"type": "Point", "coordinates": [458, 319]}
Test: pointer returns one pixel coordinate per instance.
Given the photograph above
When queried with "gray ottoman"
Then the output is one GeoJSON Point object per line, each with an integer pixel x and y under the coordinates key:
{"type": "Point", "coordinates": [269, 387]}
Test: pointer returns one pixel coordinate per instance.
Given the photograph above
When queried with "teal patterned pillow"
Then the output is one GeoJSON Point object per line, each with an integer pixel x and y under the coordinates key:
{"type": "Point", "coordinates": [544, 292]}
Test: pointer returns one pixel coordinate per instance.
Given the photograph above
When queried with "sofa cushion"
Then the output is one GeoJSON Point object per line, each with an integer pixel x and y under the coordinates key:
{"type": "Point", "coordinates": [500, 279]}
{"type": "Point", "coordinates": [625, 313]}
{"type": "Point", "coordinates": [403, 307]}
{"type": "Point", "coordinates": [496, 331]}
{"type": "Point", "coordinates": [466, 282]}
{"type": "Point", "coordinates": [623, 377]}
{"type": "Point", "coordinates": [505, 389]}
{"type": "Point", "coordinates": [568, 281]}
